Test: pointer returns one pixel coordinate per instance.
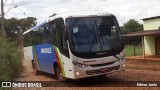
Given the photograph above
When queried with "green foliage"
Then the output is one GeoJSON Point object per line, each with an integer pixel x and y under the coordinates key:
{"type": "Point", "coordinates": [159, 27]}
{"type": "Point", "coordinates": [132, 26]}
{"type": "Point", "coordinates": [129, 50]}
{"type": "Point", "coordinates": [11, 26]}
{"type": "Point", "coordinates": [10, 64]}
{"type": "Point", "coordinates": [14, 25]}
{"type": "Point", "coordinates": [27, 23]}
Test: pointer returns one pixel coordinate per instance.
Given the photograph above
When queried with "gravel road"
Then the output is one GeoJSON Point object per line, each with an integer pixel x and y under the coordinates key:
{"type": "Point", "coordinates": [136, 71]}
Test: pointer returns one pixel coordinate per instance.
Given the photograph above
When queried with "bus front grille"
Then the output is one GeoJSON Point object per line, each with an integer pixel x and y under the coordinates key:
{"type": "Point", "coordinates": [102, 70]}
{"type": "Point", "coordinates": [104, 64]}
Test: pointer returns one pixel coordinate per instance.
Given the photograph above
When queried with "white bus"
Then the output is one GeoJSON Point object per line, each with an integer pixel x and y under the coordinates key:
{"type": "Point", "coordinates": [77, 45]}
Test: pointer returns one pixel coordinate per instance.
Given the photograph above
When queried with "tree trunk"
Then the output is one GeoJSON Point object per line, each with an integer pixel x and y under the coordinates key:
{"type": "Point", "coordinates": [20, 45]}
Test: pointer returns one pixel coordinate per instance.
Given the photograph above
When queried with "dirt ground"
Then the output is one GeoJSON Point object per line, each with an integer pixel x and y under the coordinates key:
{"type": "Point", "coordinates": [136, 70]}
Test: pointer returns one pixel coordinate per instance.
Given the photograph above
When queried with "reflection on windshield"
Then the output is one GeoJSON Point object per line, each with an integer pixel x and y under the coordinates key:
{"type": "Point", "coordinates": [83, 34]}
{"type": "Point", "coordinates": [108, 32]}
{"type": "Point", "coordinates": [93, 34]}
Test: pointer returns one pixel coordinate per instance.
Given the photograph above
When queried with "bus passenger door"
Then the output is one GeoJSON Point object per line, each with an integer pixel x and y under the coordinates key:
{"type": "Point", "coordinates": [62, 44]}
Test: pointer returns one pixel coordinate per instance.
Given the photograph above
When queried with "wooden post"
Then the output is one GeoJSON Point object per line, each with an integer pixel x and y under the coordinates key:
{"type": "Point", "coordinates": [134, 50]}
{"type": "Point", "coordinates": [143, 47]}
{"type": "Point", "coordinates": [2, 20]}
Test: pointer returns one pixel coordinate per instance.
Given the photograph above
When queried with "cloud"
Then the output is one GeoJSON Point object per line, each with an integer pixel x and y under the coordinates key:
{"type": "Point", "coordinates": [123, 9]}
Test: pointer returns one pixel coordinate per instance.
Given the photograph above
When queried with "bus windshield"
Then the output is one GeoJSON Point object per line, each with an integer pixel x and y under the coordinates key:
{"type": "Point", "coordinates": [94, 34]}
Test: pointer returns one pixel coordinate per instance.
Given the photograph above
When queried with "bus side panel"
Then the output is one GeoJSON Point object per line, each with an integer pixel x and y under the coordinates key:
{"type": "Point", "coordinates": [68, 67]}
{"type": "Point", "coordinates": [45, 57]}
{"type": "Point", "coordinates": [59, 60]}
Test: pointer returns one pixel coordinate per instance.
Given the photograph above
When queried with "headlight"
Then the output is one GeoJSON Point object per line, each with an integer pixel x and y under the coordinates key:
{"type": "Point", "coordinates": [80, 65]}
{"type": "Point", "coordinates": [121, 59]}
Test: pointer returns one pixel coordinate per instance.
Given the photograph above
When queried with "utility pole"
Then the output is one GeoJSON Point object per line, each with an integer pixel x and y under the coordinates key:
{"type": "Point", "coordinates": [2, 20]}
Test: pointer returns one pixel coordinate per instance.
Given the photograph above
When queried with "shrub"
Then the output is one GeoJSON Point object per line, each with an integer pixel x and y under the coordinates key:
{"type": "Point", "coordinates": [10, 63]}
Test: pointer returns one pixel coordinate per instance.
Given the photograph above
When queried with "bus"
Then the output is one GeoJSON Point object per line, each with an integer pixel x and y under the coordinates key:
{"type": "Point", "coordinates": [77, 45]}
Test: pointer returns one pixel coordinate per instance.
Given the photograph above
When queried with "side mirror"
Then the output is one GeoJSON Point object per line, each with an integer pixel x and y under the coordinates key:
{"type": "Point", "coordinates": [66, 35]}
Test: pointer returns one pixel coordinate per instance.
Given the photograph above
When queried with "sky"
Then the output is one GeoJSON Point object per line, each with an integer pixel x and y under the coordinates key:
{"type": "Point", "coordinates": [124, 10]}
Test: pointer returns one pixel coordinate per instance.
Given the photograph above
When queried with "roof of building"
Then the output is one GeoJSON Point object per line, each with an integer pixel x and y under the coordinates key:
{"type": "Point", "coordinates": [143, 33]}
{"type": "Point", "coordinates": [155, 17]}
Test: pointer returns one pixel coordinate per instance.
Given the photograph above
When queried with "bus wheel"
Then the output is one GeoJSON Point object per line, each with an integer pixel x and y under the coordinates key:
{"type": "Point", "coordinates": [59, 74]}
{"type": "Point", "coordinates": [35, 71]}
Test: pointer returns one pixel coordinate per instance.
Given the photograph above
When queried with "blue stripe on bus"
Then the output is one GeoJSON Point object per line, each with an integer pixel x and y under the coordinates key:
{"type": "Point", "coordinates": [45, 58]}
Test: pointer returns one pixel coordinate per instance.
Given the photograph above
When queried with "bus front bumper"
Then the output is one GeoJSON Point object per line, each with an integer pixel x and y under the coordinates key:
{"type": "Point", "coordinates": [96, 71]}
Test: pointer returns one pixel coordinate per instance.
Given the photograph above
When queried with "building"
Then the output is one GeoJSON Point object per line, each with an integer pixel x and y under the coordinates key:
{"type": "Point", "coordinates": [152, 42]}
{"type": "Point", "coordinates": [150, 35]}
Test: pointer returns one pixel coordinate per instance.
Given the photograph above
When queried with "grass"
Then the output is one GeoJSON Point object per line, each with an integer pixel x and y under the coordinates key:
{"type": "Point", "coordinates": [129, 50]}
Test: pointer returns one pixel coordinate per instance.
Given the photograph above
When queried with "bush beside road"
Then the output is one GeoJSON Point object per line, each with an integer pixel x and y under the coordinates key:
{"type": "Point", "coordinates": [10, 63]}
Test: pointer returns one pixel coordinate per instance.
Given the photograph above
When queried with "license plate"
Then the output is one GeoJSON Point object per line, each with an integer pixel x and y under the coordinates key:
{"type": "Point", "coordinates": [104, 69]}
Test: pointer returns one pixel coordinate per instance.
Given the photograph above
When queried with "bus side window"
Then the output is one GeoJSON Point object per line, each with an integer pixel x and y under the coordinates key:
{"type": "Point", "coordinates": [46, 33]}
{"type": "Point", "coordinates": [60, 29]}
{"type": "Point", "coordinates": [52, 37]}
{"type": "Point", "coordinates": [27, 40]}
{"type": "Point", "coordinates": [65, 46]}
{"type": "Point", "coordinates": [36, 36]}
{"type": "Point", "coordinates": [60, 33]}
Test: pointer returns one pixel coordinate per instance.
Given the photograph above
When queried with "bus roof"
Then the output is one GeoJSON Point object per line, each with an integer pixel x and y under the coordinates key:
{"type": "Point", "coordinates": [70, 14]}
{"type": "Point", "coordinates": [35, 27]}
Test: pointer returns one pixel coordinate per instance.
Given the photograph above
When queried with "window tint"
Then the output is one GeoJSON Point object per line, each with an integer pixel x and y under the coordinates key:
{"type": "Point", "coordinates": [51, 33]}
{"type": "Point", "coordinates": [34, 37]}
{"type": "Point", "coordinates": [60, 33]}
{"type": "Point", "coordinates": [44, 34]}
{"type": "Point", "coordinates": [60, 28]}
{"type": "Point", "coordinates": [27, 40]}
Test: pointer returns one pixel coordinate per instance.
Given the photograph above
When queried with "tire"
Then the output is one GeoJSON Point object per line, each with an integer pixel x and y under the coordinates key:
{"type": "Point", "coordinates": [59, 74]}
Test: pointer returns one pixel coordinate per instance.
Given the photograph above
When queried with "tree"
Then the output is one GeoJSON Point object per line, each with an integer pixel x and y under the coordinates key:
{"type": "Point", "coordinates": [13, 25]}
{"type": "Point", "coordinates": [27, 23]}
{"type": "Point", "coordinates": [132, 26]}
